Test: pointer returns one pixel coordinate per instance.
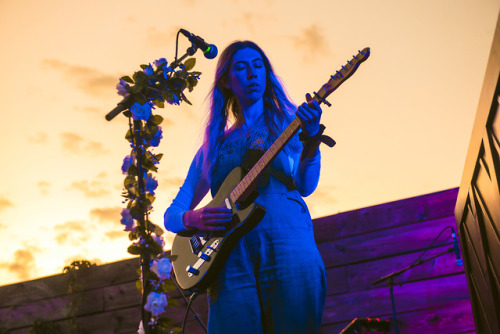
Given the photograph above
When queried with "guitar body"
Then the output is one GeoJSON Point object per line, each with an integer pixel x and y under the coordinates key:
{"type": "Point", "coordinates": [199, 256]}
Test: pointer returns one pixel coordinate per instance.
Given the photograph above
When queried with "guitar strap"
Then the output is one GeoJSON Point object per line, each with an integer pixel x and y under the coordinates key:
{"type": "Point", "coordinates": [256, 150]}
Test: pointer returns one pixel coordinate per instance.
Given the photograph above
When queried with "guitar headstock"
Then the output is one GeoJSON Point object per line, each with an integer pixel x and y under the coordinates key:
{"type": "Point", "coordinates": [347, 70]}
{"type": "Point", "coordinates": [340, 76]}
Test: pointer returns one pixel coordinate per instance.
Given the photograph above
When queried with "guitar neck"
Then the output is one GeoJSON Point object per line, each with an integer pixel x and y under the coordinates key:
{"type": "Point", "coordinates": [248, 183]}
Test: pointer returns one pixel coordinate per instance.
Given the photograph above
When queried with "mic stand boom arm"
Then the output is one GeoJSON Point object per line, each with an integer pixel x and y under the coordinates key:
{"type": "Point", "coordinates": [390, 280]}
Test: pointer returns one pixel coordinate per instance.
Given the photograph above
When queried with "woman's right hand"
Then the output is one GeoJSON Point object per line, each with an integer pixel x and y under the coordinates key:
{"type": "Point", "coordinates": [208, 218]}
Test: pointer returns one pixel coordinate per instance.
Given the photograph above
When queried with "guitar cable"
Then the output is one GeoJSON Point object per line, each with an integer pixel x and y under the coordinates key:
{"type": "Point", "coordinates": [191, 298]}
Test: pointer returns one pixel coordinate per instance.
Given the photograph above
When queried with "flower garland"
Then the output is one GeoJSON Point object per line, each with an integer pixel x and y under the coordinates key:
{"type": "Point", "coordinates": [147, 89]}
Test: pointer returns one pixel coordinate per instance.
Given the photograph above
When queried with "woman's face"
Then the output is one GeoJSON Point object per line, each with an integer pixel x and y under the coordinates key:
{"type": "Point", "coordinates": [247, 76]}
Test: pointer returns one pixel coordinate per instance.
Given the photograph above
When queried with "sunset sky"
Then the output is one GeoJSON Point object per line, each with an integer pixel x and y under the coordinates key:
{"type": "Point", "coordinates": [402, 123]}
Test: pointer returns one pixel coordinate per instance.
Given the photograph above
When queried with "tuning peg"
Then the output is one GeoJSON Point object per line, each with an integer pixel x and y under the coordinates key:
{"type": "Point", "coordinates": [355, 57]}
{"type": "Point", "coordinates": [350, 62]}
{"type": "Point", "coordinates": [344, 68]}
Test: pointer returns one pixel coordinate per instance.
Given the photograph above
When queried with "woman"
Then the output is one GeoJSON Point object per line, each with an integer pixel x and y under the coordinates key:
{"type": "Point", "coordinates": [274, 279]}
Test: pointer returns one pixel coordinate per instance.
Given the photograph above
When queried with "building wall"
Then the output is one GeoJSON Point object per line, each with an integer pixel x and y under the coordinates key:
{"type": "Point", "coordinates": [358, 247]}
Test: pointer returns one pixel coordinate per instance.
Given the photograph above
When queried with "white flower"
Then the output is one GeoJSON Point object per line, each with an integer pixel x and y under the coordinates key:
{"type": "Point", "coordinates": [121, 87]}
{"type": "Point", "coordinates": [157, 137]}
{"type": "Point", "coordinates": [151, 183]}
{"type": "Point", "coordinates": [159, 240]}
{"type": "Point", "coordinates": [148, 70]}
{"type": "Point", "coordinates": [140, 330]}
{"type": "Point", "coordinates": [127, 162]}
{"type": "Point", "coordinates": [156, 303]}
{"type": "Point", "coordinates": [140, 111]}
{"type": "Point", "coordinates": [160, 62]}
{"type": "Point", "coordinates": [162, 268]}
{"type": "Point", "coordinates": [127, 219]}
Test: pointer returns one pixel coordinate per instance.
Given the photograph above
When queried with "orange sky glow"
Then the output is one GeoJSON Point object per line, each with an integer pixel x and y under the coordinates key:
{"type": "Point", "coordinates": [402, 123]}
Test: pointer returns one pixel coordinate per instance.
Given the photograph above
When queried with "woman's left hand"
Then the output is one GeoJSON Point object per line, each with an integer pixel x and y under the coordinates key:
{"type": "Point", "coordinates": [309, 117]}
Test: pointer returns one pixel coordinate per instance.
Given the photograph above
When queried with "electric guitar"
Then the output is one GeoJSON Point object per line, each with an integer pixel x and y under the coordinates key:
{"type": "Point", "coordinates": [197, 256]}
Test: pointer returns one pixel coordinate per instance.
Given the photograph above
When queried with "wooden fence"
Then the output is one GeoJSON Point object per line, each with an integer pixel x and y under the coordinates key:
{"type": "Point", "coordinates": [358, 247]}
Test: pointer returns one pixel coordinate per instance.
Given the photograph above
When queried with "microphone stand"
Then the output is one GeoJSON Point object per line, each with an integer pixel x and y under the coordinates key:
{"type": "Point", "coordinates": [390, 280]}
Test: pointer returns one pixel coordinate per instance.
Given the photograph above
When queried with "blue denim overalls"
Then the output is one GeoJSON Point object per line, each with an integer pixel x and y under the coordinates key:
{"type": "Point", "coordinates": [274, 280]}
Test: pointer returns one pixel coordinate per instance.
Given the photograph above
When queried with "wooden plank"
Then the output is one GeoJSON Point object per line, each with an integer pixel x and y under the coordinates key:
{"type": "Point", "coordinates": [50, 309]}
{"type": "Point", "coordinates": [452, 318]}
{"type": "Point", "coordinates": [411, 210]}
{"type": "Point", "coordinates": [414, 296]}
{"type": "Point", "coordinates": [56, 285]}
{"type": "Point", "coordinates": [20, 293]}
{"type": "Point", "coordinates": [384, 243]}
{"type": "Point", "coordinates": [121, 295]}
{"type": "Point", "coordinates": [336, 281]}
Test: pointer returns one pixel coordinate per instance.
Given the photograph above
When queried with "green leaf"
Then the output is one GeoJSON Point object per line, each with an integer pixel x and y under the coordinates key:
{"type": "Point", "coordinates": [140, 77]}
{"type": "Point", "coordinates": [168, 285]}
{"type": "Point", "coordinates": [156, 119]}
{"type": "Point", "coordinates": [160, 104]}
{"type": "Point", "coordinates": [172, 302]}
{"type": "Point", "coordinates": [134, 250]}
{"type": "Point", "coordinates": [150, 198]}
{"type": "Point", "coordinates": [189, 63]}
{"type": "Point", "coordinates": [185, 99]}
{"type": "Point", "coordinates": [128, 136]}
{"type": "Point", "coordinates": [159, 156]}
{"type": "Point", "coordinates": [133, 235]}
{"type": "Point", "coordinates": [130, 182]}
{"type": "Point", "coordinates": [143, 66]}
{"type": "Point", "coordinates": [132, 170]}
{"type": "Point", "coordinates": [127, 79]}
{"type": "Point", "coordinates": [138, 285]}
{"type": "Point", "coordinates": [136, 89]}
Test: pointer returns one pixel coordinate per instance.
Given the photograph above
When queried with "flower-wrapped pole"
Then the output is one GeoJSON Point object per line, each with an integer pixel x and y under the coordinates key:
{"type": "Point", "coordinates": [143, 92]}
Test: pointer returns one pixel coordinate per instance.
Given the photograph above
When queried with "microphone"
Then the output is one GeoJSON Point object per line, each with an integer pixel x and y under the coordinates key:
{"type": "Point", "coordinates": [209, 50]}
{"type": "Point", "coordinates": [455, 247]}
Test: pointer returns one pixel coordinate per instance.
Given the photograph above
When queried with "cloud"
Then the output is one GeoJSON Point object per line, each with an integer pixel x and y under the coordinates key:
{"type": "Point", "coordinates": [87, 79]}
{"type": "Point", "coordinates": [157, 37]}
{"type": "Point", "coordinates": [110, 215]}
{"type": "Point", "coordinates": [92, 110]}
{"type": "Point", "coordinates": [75, 144]}
{"type": "Point", "coordinates": [5, 203]}
{"type": "Point", "coordinates": [116, 234]}
{"type": "Point", "coordinates": [168, 182]}
{"type": "Point", "coordinates": [102, 175]}
{"type": "Point", "coordinates": [22, 264]}
{"type": "Point", "coordinates": [92, 189]}
{"type": "Point", "coordinates": [320, 199]}
{"type": "Point", "coordinates": [39, 138]}
{"type": "Point", "coordinates": [249, 20]}
{"type": "Point", "coordinates": [44, 187]}
{"type": "Point", "coordinates": [72, 232]}
{"type": "Point", "coordinates": [312, 42]}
